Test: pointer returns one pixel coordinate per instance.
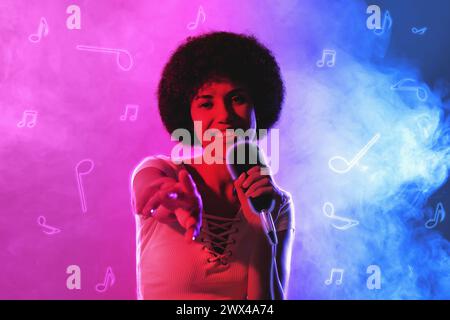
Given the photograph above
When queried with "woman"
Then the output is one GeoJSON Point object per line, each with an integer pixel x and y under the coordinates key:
{"type": "Point", "coordinates": [223, 81]}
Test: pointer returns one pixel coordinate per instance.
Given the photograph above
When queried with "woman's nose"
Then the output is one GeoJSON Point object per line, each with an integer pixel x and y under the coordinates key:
{"type": "Point", "coordinates": [225, 114]}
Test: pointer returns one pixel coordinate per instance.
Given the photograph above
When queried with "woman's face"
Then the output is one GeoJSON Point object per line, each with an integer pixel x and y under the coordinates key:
{"type": "Point", "coordinates": [222, 104]}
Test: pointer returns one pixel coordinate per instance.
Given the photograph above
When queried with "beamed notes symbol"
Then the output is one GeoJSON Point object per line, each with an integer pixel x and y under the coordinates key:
{"type": "Point", "coordinates": [339, 273]}
{"type": "Point", "coordinates": [328, 58]}
{"type": "Point", "coordinates": [29, 118]}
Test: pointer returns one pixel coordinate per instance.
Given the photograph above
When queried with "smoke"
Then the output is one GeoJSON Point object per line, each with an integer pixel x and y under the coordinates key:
{"type": "Point", "coordinates": [380, 114]}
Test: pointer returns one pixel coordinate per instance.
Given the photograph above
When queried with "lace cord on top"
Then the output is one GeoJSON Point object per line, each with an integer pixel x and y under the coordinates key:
{"type": "Point", "coordinates": [219, 240]}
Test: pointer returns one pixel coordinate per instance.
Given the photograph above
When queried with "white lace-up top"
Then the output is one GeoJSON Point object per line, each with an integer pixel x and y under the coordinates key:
{"type": "Point", "coordinates": [217, 242]}
{"type": "Point", "coordinates": [214, 266]}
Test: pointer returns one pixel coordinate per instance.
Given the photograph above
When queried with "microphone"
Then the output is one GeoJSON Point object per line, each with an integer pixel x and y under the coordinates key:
{"type": "Point", "coordinates": [241, 157]}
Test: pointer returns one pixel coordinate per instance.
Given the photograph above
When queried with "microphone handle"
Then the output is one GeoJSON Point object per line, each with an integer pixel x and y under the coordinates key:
{"type": "Point", "coordinates": [263, 202]}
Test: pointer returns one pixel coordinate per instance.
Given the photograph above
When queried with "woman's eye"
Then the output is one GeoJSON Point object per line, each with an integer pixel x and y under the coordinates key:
{"type": "Point", "coordinates": [238, 99]}
{"type": "Point", "coordinates": [206, 105]}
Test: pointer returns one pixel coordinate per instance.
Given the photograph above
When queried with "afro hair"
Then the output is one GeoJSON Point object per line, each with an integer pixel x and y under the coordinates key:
{"type": "Point", "coordinates": [238, 57]}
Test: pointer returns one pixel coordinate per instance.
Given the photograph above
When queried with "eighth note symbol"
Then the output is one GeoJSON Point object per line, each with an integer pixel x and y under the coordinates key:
{"type": "Point", "coordinates": [132, 117]}
{"type": "Point", "coordinates": [411, 271]}
{"type": "Point", "coordinates": [331, 61]}
{"type": "Point", "coordinates": [328, 210]}
{"type": "Point", "coordinates": [350, 164]}
{"type": "Point", "coordinates": [28, 113]}
{"type": "Point", "coordinates": [387, 24]}
{"type": "Point", "coordinates": [333, 272]}
{"type": "Point", "coordinates": [439, 216]}
{"type": "Point", "coordinates": [42, 31]}
{"type": "Point", "coordinates": [425, 125]}
{"type": "Point", "coordinates": [200, 14]}
{"type": "Point", "coordinates": [78, 174]}
{"type": "Point", "coordinates": [109, 281]}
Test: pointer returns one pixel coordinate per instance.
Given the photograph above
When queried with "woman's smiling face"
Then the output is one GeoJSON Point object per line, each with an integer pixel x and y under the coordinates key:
{"type": "Point", "coordinates": [222, 104]}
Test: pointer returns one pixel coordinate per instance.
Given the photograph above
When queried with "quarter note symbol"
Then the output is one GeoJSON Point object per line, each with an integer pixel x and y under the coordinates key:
{"type": "Point", "coordinates": [348, 165]}
{"type": "Point", "coordinates": [28, 114]}
{"type": "Point", "coordinates": [387, 24]}
{"type": "Point", "coordinates": [334, 271]}
{"type": "Point", "coordinates": [109, 281]}
{"type": "Point", "coordinates": [409, 85]}
{"type": "Point", "coordinates": [42, 31]}
{"type": "Point", "coordinates": [118, 52]}
{"type": "Point", "coordinates": [439, 216]}
{"type": "Point", "coordinates": [328, 210]}
{"type": "Point", "coordinates": [133, 117]}
{"type": "Point", "coordinates": [418, 31]}
{"type": "Point", "coordinates": [79, 174]}
{"type": "Point", "coordinates": [200, 15]}
{"type": "Point", "coordinates": [328, 56]}
{"type": "Point", "coordinates": [48, 229]}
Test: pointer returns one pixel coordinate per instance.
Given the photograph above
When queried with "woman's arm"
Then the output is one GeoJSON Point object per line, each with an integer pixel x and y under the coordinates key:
{"type": "Point", "coordinates": [271, 265]}
{"type": "Point", "coordinates": [153, 198]}
{"type": "Point", "coordinates": [282, 266]}
{"type": "Point", "coordinates": [141, 187]}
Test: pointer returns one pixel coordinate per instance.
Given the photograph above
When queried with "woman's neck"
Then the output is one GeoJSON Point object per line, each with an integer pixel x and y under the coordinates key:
{"type": "Point", "coordinates": [215, 175]}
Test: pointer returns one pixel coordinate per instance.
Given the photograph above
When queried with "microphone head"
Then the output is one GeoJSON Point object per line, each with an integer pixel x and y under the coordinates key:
{"type": "Point", "coordinates": [243, 156]}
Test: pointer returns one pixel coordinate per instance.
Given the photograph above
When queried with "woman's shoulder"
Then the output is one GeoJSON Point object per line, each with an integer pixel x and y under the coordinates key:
{"type": "Point", "coordinates": [287, 199]}
{"type": "Point", "coordinates": [162, 162]}
{"type": "Point", "coordinates": [286, 214]}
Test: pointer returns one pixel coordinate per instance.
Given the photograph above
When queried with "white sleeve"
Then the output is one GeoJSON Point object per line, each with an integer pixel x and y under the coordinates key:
{"type": "Point", "coordinates": [160, 162]}
{"type": "Point", "coordinates": [286, 216]}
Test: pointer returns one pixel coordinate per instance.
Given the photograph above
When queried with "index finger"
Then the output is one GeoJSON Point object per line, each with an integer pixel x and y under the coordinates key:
{"type": "Point", "coordinates": [253, 169]}
{"type": "Point", "coordinates": [187, 182]}
{"type": "Point", "coordinates": [263, 170]}
{"type": "Point", "coordinates": [158, 182]}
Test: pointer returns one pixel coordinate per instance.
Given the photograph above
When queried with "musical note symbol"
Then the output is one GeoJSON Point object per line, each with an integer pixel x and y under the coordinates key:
{"type": "Point", "coordinates": [425, 124]}
{"type": "Point", "coordinates": [200, 14]}
{"type": "Point", "coordinates": [410, 271]}
{"type": "Point", "coordinates": [42, 31]}
{"type": "Point", "coordinates": [49, 230]}
{"type": "Point", "coordinates": [28, 113]}
{"type": "Point", "coordinates": [358, 156]}
{"type": "Point", "coordinates": [331, 61]}
{"type": "Point", "coordinates": [328, 210]}
{"type": "Point", "coordinates": [117, 52]}
{"type": "Point", "coordinates": [439, 216]}
{"type": "Point", "coordinates": [109, 281]}
{"type": "Point", "coordinates": [132, 117]}
{"type": "Point", "coordinates": [80, 184]}
{"type": "Point", "coordinates": [333, 272]}
{"type": "Point", "coordinates": [418, 31]}
{"type": "Point", "coordinates": [387, 24]}
{"type": "Point", "coordinates": [402, 85]}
